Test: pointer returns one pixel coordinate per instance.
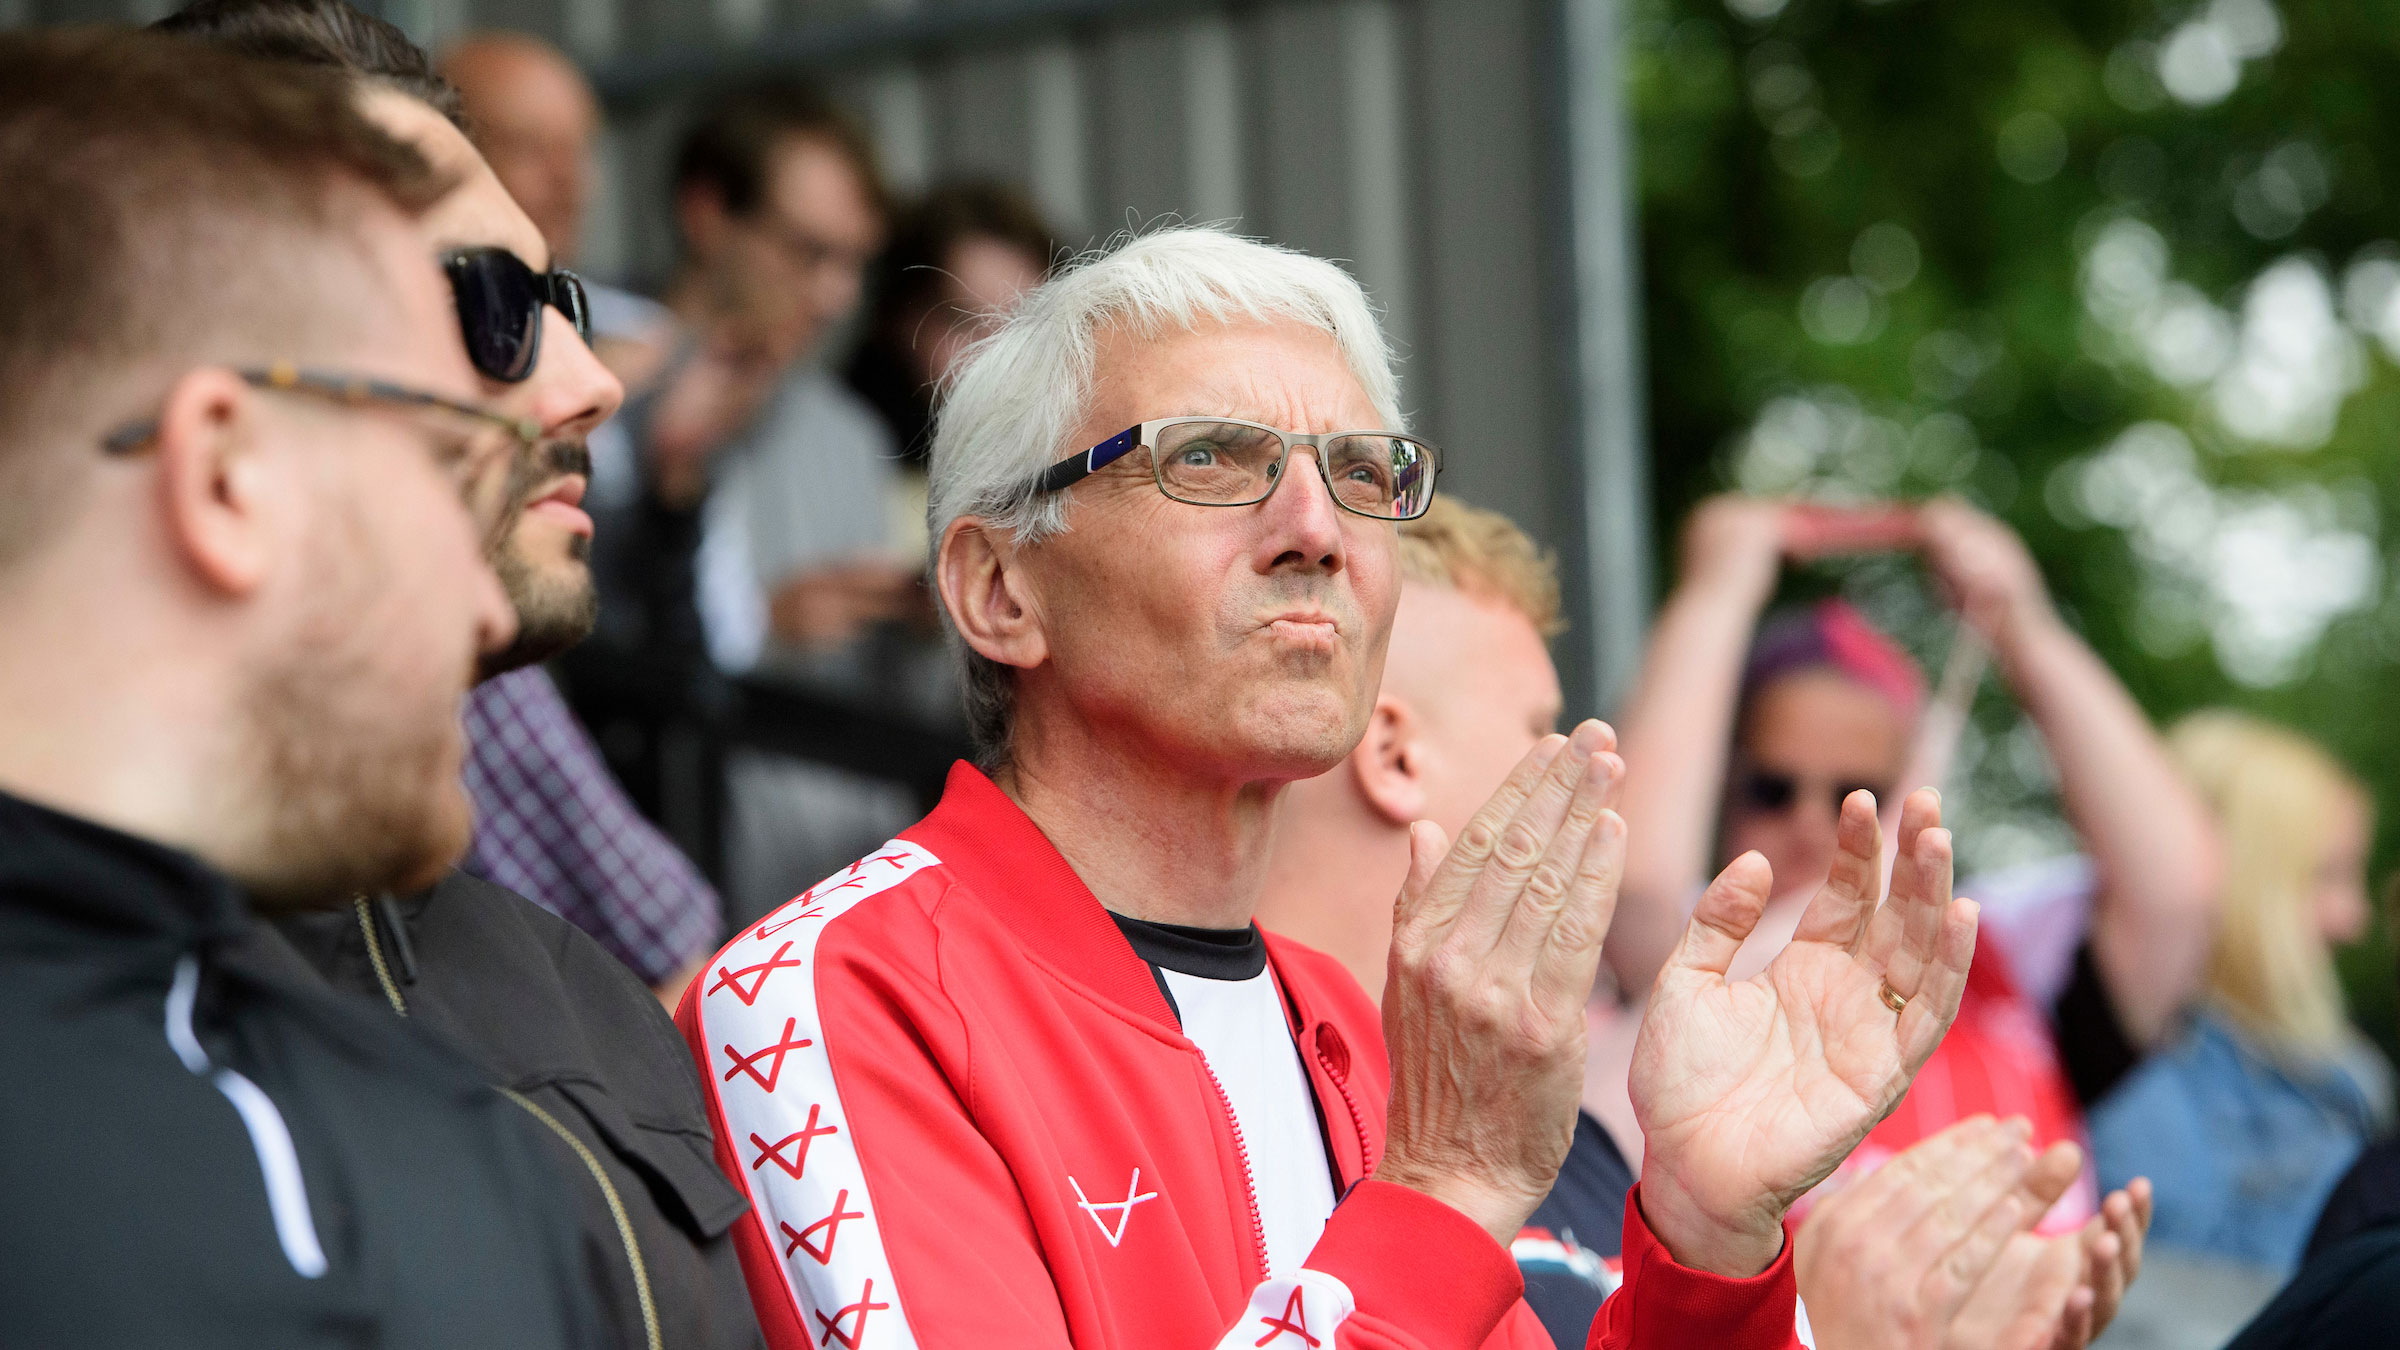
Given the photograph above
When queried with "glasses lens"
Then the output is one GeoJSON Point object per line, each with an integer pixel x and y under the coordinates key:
{"type": "Point", "coordinates": [1386, 476]}
{"type": "Point", "coordinates": [566, 292]}
{"type": "Point", "coordinates": [499, 311]}
{"type": "Point", "coordinates": [1217, 463]}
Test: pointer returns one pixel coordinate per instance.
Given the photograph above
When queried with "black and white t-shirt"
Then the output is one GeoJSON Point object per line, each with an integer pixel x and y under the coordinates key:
{"type": "Point", "coordinates": [1223, 994]}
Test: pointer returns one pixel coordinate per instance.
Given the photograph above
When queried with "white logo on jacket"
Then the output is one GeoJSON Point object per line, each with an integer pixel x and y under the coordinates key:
{"type": "Point", "coordinates": [1134, 1195]}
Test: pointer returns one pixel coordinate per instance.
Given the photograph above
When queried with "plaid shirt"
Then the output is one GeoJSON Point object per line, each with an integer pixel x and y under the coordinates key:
{"type": "Point", "coordinates": [554, 827]}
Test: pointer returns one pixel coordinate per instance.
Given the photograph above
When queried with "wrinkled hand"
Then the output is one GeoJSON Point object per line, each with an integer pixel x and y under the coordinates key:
{"type": "Point", "coordinates": [1922, 1255]}
{"type": "Point", "coordinates": [1495, 943]}
{"type": "Point", "coordinates": [1750, 1093]}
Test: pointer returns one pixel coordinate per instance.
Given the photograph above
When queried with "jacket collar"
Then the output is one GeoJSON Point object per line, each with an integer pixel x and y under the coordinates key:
{"type": "Point", "coordinates": [85, 873]}
{"type": "Point", "coordinates": [988, 842]}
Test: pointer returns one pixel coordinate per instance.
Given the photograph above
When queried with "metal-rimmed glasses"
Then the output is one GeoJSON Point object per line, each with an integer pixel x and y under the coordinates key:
{"type": "Point", "coordinates": [1222, 461]}
{"type": "Point", "coordinates": [472, 439]}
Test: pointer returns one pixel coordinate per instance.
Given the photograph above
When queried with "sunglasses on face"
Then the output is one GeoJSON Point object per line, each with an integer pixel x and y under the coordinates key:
{"type": "Point", "coordinates": [500, 304]}
{"type": "Point", "coordinates": [1774, 793]}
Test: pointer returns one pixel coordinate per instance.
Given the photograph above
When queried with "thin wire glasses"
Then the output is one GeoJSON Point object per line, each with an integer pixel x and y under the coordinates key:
{"type": "Point", "coordinates": [469, 437]}
{"type": "Point", "coordinates": [1218, 461]}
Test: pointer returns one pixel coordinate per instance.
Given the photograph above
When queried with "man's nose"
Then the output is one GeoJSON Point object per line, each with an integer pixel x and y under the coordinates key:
{"type": "Point", "coordinates": [1303, 525]}
{"type": "Point", "coordinates": [572, 392]}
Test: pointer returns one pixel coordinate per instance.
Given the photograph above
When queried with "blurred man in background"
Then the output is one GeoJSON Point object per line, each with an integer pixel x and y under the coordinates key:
{"type": "Point", "coordinates": [535, 119]}
{"type": "Point", "coordinates": [765, 526]}
{"type": "Point", "coordinates": [239, 426]}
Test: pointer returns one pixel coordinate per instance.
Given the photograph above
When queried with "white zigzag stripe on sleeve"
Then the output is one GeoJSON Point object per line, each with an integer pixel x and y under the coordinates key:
{"type": "Point", "coordinates": [773, 1082]}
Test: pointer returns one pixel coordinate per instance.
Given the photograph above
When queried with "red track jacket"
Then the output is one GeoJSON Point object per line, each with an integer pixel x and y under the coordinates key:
{"type": "Point", "coordinates": [966, 1120]}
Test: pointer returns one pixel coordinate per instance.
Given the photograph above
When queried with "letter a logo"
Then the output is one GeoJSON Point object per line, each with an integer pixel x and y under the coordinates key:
{"type": "Point", "coordinates": [1293, 1322]}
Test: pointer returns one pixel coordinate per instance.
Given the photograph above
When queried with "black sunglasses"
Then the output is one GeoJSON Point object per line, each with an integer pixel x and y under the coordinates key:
{"type": "Point", "coordinates": [500, 303]}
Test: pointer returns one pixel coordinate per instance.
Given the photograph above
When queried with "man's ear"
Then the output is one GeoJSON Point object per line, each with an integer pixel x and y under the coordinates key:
{"type": "Point", "coordinates": [217, 492]}
{"type": "Point", "coordinates": [985, 591]}
{"type": "Point", "coordinates": [1389, 764]}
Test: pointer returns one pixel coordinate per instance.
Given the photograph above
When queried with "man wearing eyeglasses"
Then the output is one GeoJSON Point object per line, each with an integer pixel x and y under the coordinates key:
{"type": "Point", "coordinates": [1029, 1075]}
{"type": "Point", "coordinates": [244, 482]}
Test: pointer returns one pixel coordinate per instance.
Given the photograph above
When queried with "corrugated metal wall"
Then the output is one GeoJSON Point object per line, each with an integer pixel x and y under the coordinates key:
{"type": "Point", "coordinates": [1413, 139]}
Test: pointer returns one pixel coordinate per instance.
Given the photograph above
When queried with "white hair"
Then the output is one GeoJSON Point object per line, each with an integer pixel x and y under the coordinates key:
{"type": "Point", "coordinates": [1019, 396]}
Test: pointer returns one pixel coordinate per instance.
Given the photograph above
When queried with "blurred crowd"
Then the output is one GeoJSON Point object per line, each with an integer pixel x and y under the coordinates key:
{"type": "Point", "coordinates": [2147, 1068]}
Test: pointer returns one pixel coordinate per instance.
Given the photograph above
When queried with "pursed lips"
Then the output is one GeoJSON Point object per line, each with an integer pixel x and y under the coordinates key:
{"type": "Point", "coordinates": [1309, 627]}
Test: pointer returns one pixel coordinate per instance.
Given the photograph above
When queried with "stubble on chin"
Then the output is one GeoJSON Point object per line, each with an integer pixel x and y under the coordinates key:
{"type": "Point", "coordinates": [354, 779]}
{"type": "Point", "coordinates": [556, 608]}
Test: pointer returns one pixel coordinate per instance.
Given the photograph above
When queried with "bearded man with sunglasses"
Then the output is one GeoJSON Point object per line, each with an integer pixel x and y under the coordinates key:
{"type": "Point", "coordinates": [573, 1036]}
{"type": "Point", "coordinates": [243, 598]}
{"type": "Point", "coordinates": [1029, 1076]}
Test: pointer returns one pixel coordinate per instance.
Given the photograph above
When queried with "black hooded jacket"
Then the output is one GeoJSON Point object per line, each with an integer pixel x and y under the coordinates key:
{"type": "Point", "coordinates": [203, 1145]}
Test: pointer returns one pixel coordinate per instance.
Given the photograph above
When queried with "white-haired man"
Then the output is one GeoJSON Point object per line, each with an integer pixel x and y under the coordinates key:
{"type": "Point", "coordinates": [1029, 1076]}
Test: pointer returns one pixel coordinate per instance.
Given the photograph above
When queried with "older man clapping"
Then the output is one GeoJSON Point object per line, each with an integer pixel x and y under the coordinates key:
{"type": "Point", "coordinates": [1029, 1077]}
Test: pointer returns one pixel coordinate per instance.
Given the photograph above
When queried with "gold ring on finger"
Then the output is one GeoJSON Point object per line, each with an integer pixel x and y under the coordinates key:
{"type": "Point", "coordinates": [1892, 998]}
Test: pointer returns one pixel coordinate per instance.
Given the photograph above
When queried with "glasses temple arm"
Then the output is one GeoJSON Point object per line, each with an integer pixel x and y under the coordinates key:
{"type": "Point", "coordinates": [1075, 468]}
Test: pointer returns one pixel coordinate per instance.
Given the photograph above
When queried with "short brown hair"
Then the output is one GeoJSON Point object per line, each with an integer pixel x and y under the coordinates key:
{"type": "Point", "coordinates": [1482, 553]}
{"type": "Point", "coordinates": [915, 262]}
{"type": "Point", "coordinates": [158, 193]}
{"type": "Point", "coordinates": [731, 150]}
{"type": "Point", "coordinates": [319, 33]}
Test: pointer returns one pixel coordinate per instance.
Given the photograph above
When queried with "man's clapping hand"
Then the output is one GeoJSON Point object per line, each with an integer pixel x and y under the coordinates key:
{"type": "Point", "coordinates": [1750, 1093]}
{"type": "Point", "coordinates": [1495, 944]}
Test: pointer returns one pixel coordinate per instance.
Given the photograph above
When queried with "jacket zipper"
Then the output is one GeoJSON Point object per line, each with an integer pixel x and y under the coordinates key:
{"type": "Point", "coordinates": [1241, 1154]}
{"type": "Point", "coordinates": [616, 1210]}
{"type": "Point", "coordinates": [383, 973]}
{"type": "Point", "coordinates": [1358, 1122]}
{"type": "Point", "coordinates": [608, 1189]}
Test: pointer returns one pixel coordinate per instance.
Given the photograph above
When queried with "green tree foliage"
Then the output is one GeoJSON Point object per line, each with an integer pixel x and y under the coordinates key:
{"type": "Point", "coordinates": [2121, 271]}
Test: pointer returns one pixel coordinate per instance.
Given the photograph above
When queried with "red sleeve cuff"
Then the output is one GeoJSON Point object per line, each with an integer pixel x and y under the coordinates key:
{"type": "Point", "coordinates": [1663, 1303]}
{"type": "Point", "coordinates": [1384, 1240]}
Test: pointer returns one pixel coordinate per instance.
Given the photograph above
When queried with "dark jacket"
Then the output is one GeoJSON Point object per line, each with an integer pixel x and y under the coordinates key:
{"type": "Point", "coordinates": [583, 1046]}
{"type": "Point", "coordinates": [2346, 1297]}
{"type": "Point", "coordinates": [202, 1145]}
